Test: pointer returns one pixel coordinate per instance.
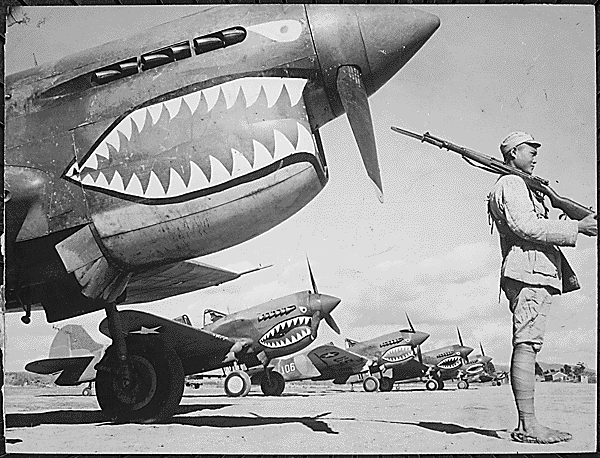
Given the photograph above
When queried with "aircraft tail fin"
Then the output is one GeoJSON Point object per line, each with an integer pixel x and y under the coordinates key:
{"type": "Point", "coordinates": [183, 319]}
{"type": "Point", "coordinates": [351, 343]}
{"type": "Point", "coordinates": [210, 316]}
{"type": "Point", "coordinates": [73, 340]}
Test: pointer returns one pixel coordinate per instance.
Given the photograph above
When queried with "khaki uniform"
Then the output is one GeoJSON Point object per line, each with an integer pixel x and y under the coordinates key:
{"type": "Point", "coordinates": [533, 268]}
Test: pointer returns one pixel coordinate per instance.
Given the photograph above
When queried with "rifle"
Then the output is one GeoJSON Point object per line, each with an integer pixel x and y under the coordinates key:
{"type": "Point", "coordinates": [570, 208]}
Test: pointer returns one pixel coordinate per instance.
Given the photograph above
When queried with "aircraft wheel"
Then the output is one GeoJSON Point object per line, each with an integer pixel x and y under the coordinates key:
{"type": "Point", "coordinates": [86, 392]}
{"type": "Point", "coordinates": [237, 384]}
{"type": "Point", "coordinates": [154, 389]}
{"type": "Point", "coordinates": [462, 385]}
{"type": "Point", "coordinates": [272, 385]}
{"type": "Point", "coordinates": [432, 384]}
{"type": "Point", "coordinates": [386, 384]}
{"type": "Point", "coordinates": [370, 384]}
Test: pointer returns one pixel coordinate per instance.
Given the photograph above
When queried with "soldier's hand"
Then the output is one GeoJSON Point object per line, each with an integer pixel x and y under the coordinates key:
{"type": "Point", "coordinates": [589, 225]}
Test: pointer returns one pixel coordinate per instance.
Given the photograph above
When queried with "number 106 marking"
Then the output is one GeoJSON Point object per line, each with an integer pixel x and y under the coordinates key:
{"type": "Point", "coordinates": [287, 368]}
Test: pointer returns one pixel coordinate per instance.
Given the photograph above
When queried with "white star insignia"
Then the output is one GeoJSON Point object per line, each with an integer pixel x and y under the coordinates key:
{"type": "Point", "coordinates": [145, 330]}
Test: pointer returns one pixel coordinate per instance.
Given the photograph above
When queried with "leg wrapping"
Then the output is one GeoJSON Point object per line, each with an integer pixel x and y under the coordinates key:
{"type": "Point", "coordinates": [522, 371]}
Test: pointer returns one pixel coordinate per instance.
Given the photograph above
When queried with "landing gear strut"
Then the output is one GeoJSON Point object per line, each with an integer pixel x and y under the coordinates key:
{"type": "Point", "coordinates": [386, 384]}
{"type": "Point", "coordinates": [272, 383]}
{"type": "Point", "coordinates": [87, 391]}
{"type": "Point", "coordinates": [139, 377]}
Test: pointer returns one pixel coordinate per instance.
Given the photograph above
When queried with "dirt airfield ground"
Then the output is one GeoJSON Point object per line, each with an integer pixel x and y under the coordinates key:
{"type": "Point", "coordinates": [309, 418]}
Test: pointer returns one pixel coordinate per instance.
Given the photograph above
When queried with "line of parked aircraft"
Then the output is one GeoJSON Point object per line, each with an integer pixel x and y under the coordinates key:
{"type": "Point", "coordinates": [263, 345]}
{"type": "Point", "coordinates": [127, 161]}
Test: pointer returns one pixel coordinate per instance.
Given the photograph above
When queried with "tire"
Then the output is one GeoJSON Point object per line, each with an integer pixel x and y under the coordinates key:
{"type": "Point", "coordinates": [237, 384]}
{"type": "Point", "coordinates": [462, 385]}
{"type": "Point", "coordinates": [370, 384]}
{"type": "Point", "coordinates": [440, 384]}
{"type": "Point", "coordinates": [157, 381]}
{"type": "Point", "coordinates": [386, 384]}
{"type": "Point", "coordinates": [432, 384]}
{"type": "Point", "coordinates": [272, 385]}
{"type": "Point", "coordinates": [86, 392]}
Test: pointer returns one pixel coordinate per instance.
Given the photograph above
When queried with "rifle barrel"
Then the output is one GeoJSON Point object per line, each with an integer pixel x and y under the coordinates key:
{"type": "Point", "coordinates": [408, 132]}
{"type": "Point", "coordinates": [571, 208]}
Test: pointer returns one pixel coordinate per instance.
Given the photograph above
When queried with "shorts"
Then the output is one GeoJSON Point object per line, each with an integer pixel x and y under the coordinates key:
{"type": "Point", "coordinates": [530, 305]}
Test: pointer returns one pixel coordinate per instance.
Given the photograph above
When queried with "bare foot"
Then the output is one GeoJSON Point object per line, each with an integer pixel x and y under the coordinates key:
{"type": "Point", "coordinates": [540, 434]}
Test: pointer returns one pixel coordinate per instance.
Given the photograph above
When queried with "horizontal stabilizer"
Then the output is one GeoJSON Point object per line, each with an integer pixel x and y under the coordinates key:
{"type": "Point", "coordinates": [71, 368]}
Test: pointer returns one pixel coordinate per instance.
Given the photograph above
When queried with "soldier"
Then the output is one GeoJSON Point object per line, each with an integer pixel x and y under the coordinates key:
{"type": "Point", "coordinates": [533, 271]}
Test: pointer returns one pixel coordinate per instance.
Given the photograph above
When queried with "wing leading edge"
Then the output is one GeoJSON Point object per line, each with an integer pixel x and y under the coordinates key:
{"type": "Point", "coordinates": [178, 278]}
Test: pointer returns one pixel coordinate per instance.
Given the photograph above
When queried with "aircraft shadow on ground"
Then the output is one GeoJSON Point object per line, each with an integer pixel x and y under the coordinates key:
{"type": "Point", "coordinates": [74, 395]}
{"type": "Point", "coordinates": [81, 417]}
{"type": "Point", "coordinates": [451, 428]}
{"type": "Point", "coordinates": [221, 421]}
{"type": "Point", "coordinates": [255, 395]}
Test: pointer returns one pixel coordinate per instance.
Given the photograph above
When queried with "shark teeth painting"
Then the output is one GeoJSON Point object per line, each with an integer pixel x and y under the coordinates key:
{"type": "Point", "coordinates": [398, 354]}
{"type": "Point", "coordinates": [200, 142]}
{"type": "Point", "coordinates": [287, 333]}
{"type": "Point", "coordinates": [451, 362]}
{"type": "Point", "coordinates": [475, 368]}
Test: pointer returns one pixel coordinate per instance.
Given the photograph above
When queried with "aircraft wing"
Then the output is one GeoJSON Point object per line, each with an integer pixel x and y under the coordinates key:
{"type": "Point", "coordinates": [178, 278]}
{"type": "Point", "coordinates": [72, 368]}
{"type": "Point", "coordinates": [329, 359]}
{"type": "Point", "coordinates": [194, 346]}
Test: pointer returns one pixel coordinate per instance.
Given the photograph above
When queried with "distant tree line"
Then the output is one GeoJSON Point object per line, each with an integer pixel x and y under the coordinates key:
{"type": "Point", "coordinates": [27, 379]}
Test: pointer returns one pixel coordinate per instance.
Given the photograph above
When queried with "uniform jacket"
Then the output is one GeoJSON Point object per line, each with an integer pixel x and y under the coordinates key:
{"type": "Point", "coordinates": [528, 239]}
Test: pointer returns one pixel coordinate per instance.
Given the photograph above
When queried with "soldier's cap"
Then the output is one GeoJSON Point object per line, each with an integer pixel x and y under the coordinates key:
{"type": "Point", "coordinates": [515, 139]}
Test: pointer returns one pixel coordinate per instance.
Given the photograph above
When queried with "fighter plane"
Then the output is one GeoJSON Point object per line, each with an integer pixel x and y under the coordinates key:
{"type": "Point", "coordinates": [250, 338]}
{"type": "Point", "coordinates": [479, 369]}
{"type": "Point", "coordinates": [370, 360]}
{"type": "Point", "coordinates": [125, 161]}
{"type": "Point", "coordinates": [73, 354]}
{"type": "Point", "coordinates": [435, 366]}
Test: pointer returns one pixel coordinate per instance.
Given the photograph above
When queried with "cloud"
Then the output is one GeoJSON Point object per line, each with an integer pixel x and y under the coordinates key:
{"type": "Point", "coordinates": [451, 286]}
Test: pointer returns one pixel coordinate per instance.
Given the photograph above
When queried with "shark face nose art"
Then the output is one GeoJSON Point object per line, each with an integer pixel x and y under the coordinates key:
{"type": "Point", "coordinates": [475, 369]}
{"type": "Point", "coordinates": [201, 142]}
{"type": "Point", "coordinates": [286, 333]}
{"type": "Point", "coordinates": [398, 354]}
{"type": "Point", "coordinates": [451, 362]}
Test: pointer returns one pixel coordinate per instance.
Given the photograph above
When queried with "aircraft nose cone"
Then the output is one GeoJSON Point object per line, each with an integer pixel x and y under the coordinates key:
{"type": "Point", "coordinates": [392, 35]}
{"type": "Point", "coordinates": [328, 303]}
{"type": "Point", "coordinates": [418, 338]}
{"type": "Point", "coordinates": [467, 351]}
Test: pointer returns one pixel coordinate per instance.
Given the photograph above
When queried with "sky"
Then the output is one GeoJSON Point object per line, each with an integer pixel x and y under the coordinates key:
{"type": "Point", "coordinates": [427, 250]}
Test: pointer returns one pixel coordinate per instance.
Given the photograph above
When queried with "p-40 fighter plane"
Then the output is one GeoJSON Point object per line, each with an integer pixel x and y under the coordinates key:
{"type": "Point", "coordinates": [251, 337]}
{"type": "Point", "coordinates": [73, 354]}
{"type": "Point", "coordinates": [479, 369]}
{"type": "Point", "coordinates": [126, 160]}
{"type": "Point", "coordinates": [372, 357]}
{"type": "Point", "coordinates": [435, 366]}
